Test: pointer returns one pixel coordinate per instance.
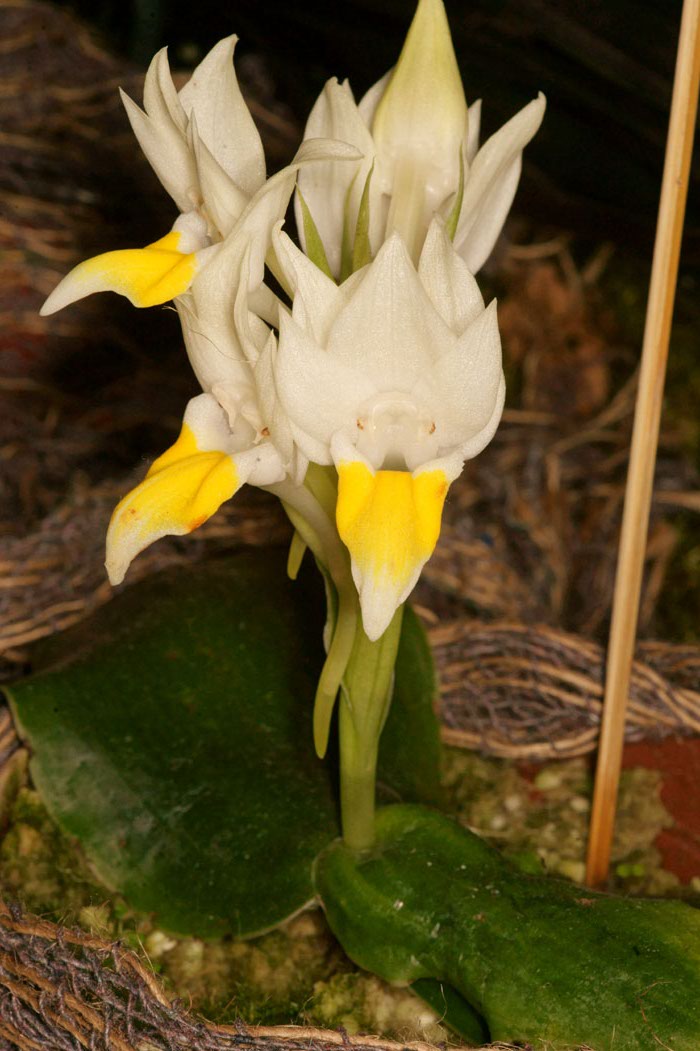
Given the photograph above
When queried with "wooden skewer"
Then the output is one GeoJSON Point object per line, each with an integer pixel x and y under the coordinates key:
{"type": "Point", "coordinates": [645, 435]}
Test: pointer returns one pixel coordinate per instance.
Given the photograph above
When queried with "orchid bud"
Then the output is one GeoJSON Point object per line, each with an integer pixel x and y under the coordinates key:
{"type": "Point", "coordinates": [420, 125]}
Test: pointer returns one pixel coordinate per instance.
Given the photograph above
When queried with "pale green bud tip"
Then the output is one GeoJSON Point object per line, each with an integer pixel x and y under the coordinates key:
{"type": "Point", "coordinates": [424, 100]}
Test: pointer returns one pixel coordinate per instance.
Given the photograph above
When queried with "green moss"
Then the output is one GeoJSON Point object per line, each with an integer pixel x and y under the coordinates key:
{"type": "Point", "coordinates": [266, 980]}
{"type": "Point", "coordinates": [362, 1003]}
{"type": "Point", "coordinates": [42, 868]}
{"type": "Point", "coordinates": [545, 821]}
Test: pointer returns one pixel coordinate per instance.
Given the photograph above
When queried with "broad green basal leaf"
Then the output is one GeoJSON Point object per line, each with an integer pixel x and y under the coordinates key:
{"type": "Point", "coordinates": [171, 735]}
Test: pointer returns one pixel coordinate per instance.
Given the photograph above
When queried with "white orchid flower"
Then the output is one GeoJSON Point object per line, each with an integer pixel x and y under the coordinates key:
{"type": "Point", "coordinates": [203, 145]}
{"type": "Point", "coordinates": [395, 377]}
{"type": "Point", "coordinates": [420, 157]}
{"type": "Point", "coordinates": [201, 142]}
{"type": "Point", "coordinates": [226, 433]}
{"type": "Point", "coordinates": [165, 269]}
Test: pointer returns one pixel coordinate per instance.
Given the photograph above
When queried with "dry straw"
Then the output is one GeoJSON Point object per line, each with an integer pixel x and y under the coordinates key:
{"type": "Point", "coordinates": [65, 990]}
{"type": "Point", "coordinates": [645, 436]}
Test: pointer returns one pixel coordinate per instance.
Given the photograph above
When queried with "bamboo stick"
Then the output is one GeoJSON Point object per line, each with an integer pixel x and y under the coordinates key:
{"type": "Point", "coordinates": [645, 436]}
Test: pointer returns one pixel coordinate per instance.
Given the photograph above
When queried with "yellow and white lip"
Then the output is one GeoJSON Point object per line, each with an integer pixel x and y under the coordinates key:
{"type": "Point", "coordinates": [183, 488]}
{"type": "Point", "coordinates": [145, 276]}
{"type": "Point", "coordinates": [390, 523]}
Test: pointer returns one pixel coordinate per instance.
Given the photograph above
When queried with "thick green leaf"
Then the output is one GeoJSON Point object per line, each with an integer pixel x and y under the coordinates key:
{"type": "Point", "coordinates": [171, 734]}
{"type": "Point", "coordinates": [172, 737]}
{"type": "Point", "coordinates": [453, 1010]}
{"type": "Point", "coordinates": [544, 962]}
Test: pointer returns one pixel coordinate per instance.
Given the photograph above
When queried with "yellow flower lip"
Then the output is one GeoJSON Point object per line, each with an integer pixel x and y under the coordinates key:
{"type": "Point", "coordinates": [390, 523]}
{"type": "Point", "coordinates": [183, 488]}
{"type": "Point", "coordinates": [145, 276]}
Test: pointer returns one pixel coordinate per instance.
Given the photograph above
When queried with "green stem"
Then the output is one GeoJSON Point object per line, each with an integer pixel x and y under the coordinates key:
{"type": "Point", "coordinates": [364, 705]}
{"type": "Point", "coordinates": [339, 651]}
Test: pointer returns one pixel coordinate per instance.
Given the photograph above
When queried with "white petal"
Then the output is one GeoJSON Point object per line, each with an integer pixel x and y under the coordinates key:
{"type": "Point", "coordinates": [478, 442]}
{"type": "Point", "coordinates": [420, 125]}
{"type": "Point", "coordinates": [223, 199]}
{"type": "Point", "coordinates": [256, 223]}
{"type": "Point", "coordinates": [325, 186]}
{"type": "Point", "coordinates": [263, 302]}
{"type": "Point", "coordinates": [319, 394]}
{"type": "Point", "coordinates": [317, 298]}
{"type": "Point", "coordinates": [269, 204]}
{"type": "Point", "coordinates": [215, 289]}
{"type": "Point", "coordinates": [252, 331]}
{"type": "Point", "coordinates": [371, 99]}
{"type": "Point", "coordinates": [423, 109]}
{"type": "Point", "coordinates": [223, 119]}
{"type": "Point", "coordinates": [192, 228]}
{"type": "Point", "coordinates": [261, 465]}
{"type": "Point", "coordinates": [451, 288]}
{"type": "Point", "coordinates": [208, 422]}
{"type": "Point", "coordinates": [167, 152]}
{"type": "Point", "coordinates": [214, 350]}
{"type": "Point", "coordinates": [465, 382]}
{"type": "Point", "coordinates": [272, 414]}
{"type": "Point", "coordinates": [313, 150]}
{"type": "Point", "coordinates": [160, 99]}
{"type": "Point", "coordinates": [491, 185]}
{"type": "Point", "coordinates": [389, 330]}
{"type": "Point", "coordinates": [213, 292]}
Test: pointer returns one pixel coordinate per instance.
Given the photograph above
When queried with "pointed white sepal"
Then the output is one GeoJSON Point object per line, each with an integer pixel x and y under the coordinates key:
{"type": "Point", "coordinates": [224, 122]}
{"type": "Point", "coordinates": [491, 185]}
{"type": "Point", "coordinates": [333, 189]}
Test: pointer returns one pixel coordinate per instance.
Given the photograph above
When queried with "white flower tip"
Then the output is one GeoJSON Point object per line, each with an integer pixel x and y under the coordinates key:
{"type": "Point", "coordinates": [376, 616]}
{"type": "Point", "coordinates": [65, 293]}
{"type": "Point", "coordinates": [49, 306]}
{"type": "Point", "coordinates": [537, 107]}
{"type": "Point", "coordinates": [156, 67]}
{"type": "Point", "coordinates": [424, 100]}
{"type": "Point", "coordinates": [225, 47]}
{"type": "Point", "coordinates": [228, 42]}
{"type": "Point", "coordinates": [127, 100]}
{"type": "Point", "coordinates": [116, 570]}
{"type": "Point", "coordinates": [138, 118]}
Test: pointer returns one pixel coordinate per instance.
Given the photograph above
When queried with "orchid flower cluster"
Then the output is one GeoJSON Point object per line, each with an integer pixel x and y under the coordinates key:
{"type": "Point", "coordinates": [355, 391]}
